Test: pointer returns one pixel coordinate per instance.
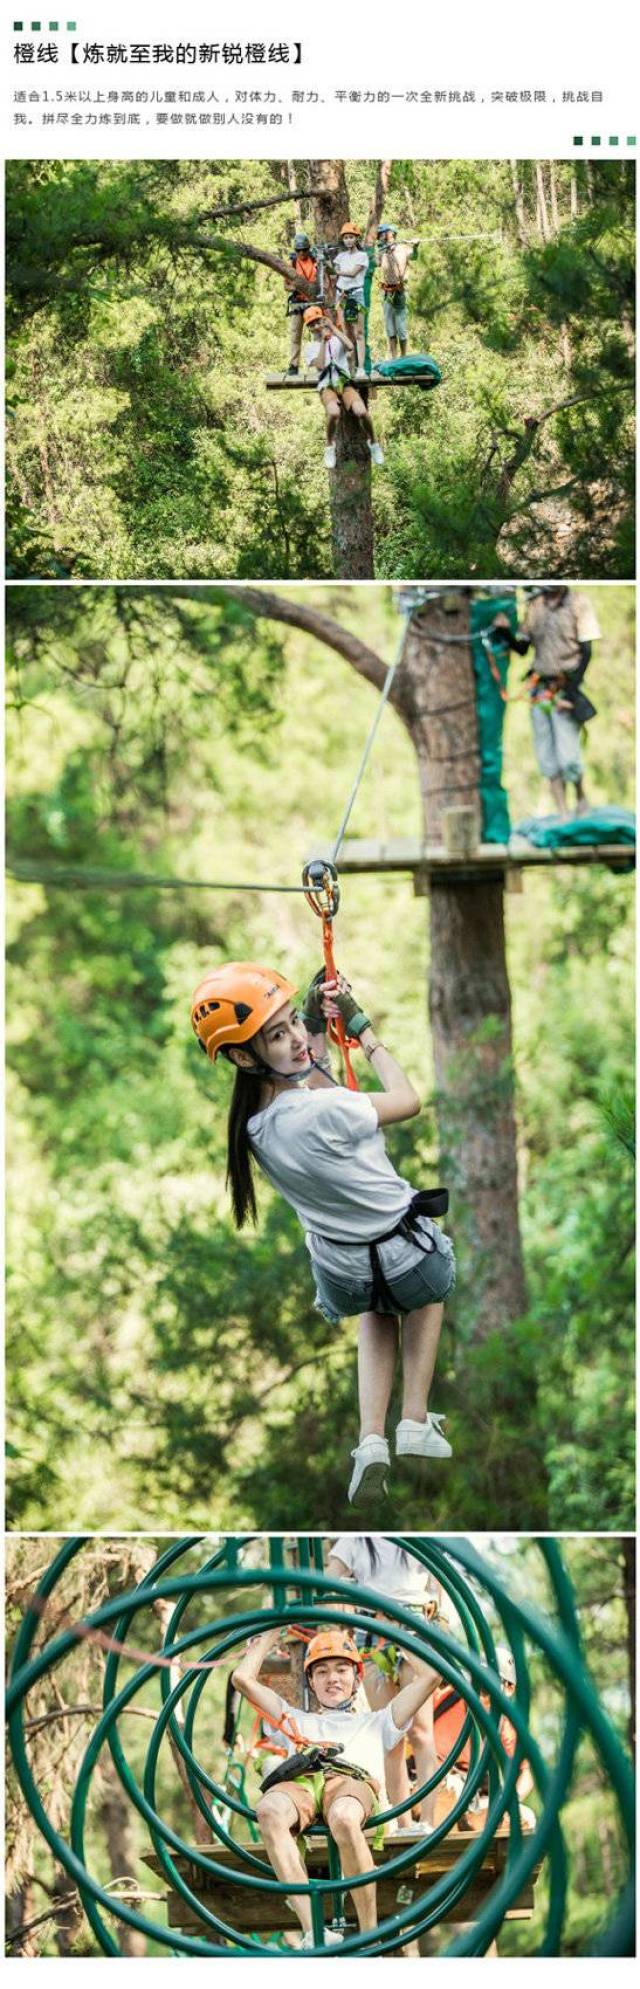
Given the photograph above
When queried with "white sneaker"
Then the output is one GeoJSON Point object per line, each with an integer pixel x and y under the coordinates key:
{"type": "Point", "coordinates": [422, 1439]}
{"type": "Point", "coordinates": [370, 1466]}
{"type": "Point", "coordinates": [375, 452]}
{"type": "Point", "coordinates": [330, 456]}
{"type": "Point", "coordinates": [413, 1829]}
{"type": "Point", "coordinates": [332, 1939]}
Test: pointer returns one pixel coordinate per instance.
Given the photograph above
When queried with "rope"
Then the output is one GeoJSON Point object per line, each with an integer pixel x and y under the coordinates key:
{"type": "Point", "coordinates": [384, 695]}
{"type": "Point", "coordinates": [119, 880]}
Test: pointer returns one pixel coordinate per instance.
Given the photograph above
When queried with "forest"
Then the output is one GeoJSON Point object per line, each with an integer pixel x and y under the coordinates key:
{"type": "Point", "coordinates": [44, 1913]}
{"type": "Point", "coordinates": [161, 1366]}
{"type": "Point", "coordinates": [146, 303]}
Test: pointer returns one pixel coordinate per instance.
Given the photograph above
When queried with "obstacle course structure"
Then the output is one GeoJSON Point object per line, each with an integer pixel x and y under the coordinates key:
{"type": "Point", "coordinates": [228, 1890]}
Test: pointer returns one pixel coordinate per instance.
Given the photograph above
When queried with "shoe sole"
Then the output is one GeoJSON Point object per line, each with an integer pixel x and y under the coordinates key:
{"type": "Point", "coordinates": [441, 1455]}
{"type": "Point", "coordinates": [373, 1481]}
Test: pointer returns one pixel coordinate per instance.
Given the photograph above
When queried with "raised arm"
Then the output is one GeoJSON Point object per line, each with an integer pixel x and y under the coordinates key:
{"type": "Point", "coordinates": [397, 1100]}
{"type": "Point", "coordinates": [246, 1680]}
{"type": "Point", "coordinates": [408, 1701]}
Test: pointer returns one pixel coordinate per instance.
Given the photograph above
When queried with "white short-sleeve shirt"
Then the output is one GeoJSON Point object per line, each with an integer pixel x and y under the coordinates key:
{"type": "Point", "coordinates": [394, 1577]}
{"type": "Point", "coordinates": [364, 1737]}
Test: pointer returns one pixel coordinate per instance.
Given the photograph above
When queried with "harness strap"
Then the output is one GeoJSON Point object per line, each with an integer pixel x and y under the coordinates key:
{"type": "Point", "coordinates": [427, 1201]}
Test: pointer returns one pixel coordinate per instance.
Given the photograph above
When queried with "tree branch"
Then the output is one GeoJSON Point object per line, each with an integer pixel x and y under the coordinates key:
{"type": "Point", "coordinates": [184, 238]}
{"type": "Point", "coordinates": [275, 607]}
{"type": "Point", "coordinates": [251, 206]}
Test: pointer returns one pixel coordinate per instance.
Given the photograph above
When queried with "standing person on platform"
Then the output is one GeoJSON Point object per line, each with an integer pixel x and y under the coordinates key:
{"type": "Point", "coordinates": [560, 626]}
{"type": "Point", "coordinates": [304, 264]}
{"type": "Point", "coordinates": [350, 265]}
{"type": "Point", "coordinates": [393, 261]}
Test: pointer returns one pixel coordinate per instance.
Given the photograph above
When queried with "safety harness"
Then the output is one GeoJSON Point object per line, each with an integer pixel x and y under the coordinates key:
{"type": "Point", "coordinates": [427, 1202]}
{"type": "Point", "coordinates": [317, 1757]}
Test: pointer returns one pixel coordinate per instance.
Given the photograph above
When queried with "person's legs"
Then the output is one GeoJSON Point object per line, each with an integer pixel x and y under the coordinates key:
{"type": "Point", "coordinates": [278, 1816]}
{"type": "Point", "coordinates": [544, 739]}
{"type": "Point", "coordinates": [402, 327]}
{"type": "Point", "coordinates": [569, 753]}
{"type": "Point", "coordinates": [390, 327]}
{"type": "Point", "coordinates": [419, 1347]}
{"type": "Point", "coordinates": [331, 405]}
{"type": "Point", "coordinates": [345, 1817]}
{"type": "Point", "coordinates": [355, 404]}
{"type": "Point", "coordinates": [295, 340]}
{"type": "Point", "coordinates": [377, 1350]}
{"type": "Point", "coordinates": [360, 341]}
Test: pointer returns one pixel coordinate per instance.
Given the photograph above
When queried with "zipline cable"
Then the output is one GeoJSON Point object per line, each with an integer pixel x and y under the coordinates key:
{"type": "Point", "coordinates": [384, 696]}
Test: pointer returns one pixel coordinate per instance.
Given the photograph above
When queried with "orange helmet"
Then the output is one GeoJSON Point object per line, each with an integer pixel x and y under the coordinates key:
{"type": "Point", "coordinates": [311, 316]}
{"type": "Point", "coordinates": [333, 1643]}
{"type": "Point", "coordinates": [233, 1002]}
{"type": "Point", "coordinates": [349, 228]}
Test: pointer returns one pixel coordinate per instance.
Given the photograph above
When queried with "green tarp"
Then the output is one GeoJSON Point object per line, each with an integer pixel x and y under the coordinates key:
{"type": "Point", "coordinates": [417, 366]}
{"type": "Point", "coordinates": [597, 825]}
{"type": "Point", "coordinates": [490, 707]}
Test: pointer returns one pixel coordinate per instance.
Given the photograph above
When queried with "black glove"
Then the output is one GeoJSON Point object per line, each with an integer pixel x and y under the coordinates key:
{"type": "Point", "coordinates": [313, 1014]}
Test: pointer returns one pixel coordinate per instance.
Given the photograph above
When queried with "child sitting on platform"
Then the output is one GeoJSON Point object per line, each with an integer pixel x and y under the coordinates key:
{"type": "Point", "coordinates": [335, 1763]}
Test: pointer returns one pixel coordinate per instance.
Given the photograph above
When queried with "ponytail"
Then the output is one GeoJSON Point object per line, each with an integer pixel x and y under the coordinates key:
{"type": "Point", "coordinates": [240, 1180]}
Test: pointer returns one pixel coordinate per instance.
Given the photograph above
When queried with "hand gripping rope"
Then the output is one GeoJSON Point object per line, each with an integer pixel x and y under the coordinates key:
{"type": "Point", "coordinates": [322, 892]}
{"type": "Point", "coordinates": [227, 1884]}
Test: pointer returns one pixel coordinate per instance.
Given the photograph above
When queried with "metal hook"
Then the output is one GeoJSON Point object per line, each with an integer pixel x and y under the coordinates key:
{"type": "Point", "coordinates": [321, 887]}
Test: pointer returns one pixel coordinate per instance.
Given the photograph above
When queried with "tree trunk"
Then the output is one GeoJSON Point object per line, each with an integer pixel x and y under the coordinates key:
{"type": "Point", "coordinates": [521, 221]}
{"type": "Point", "coordinates": [574, 197]}
{"type": "Point", "coordinates": [329, 198]}
{"type": "Point", "coordinates": [350, 482]}
{"type": "Point", "coordinates": [543, 216]}
{"type": "Point", "coordinates": [469, 996]}
{"type": "Point", "coordinates": [293, 175]}
{"type": "Point", "coordinates": [351, 513]}
{"type": "Point", "coordinates": [555, 216]}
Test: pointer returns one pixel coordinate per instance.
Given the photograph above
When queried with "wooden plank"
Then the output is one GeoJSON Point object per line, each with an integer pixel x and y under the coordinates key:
{"type": "Point", "coordinates": [407, 853]}
{"type": "Point", "coordinates": [309, 381]}
{"type": "Point", "coordinates": [252, 1911]}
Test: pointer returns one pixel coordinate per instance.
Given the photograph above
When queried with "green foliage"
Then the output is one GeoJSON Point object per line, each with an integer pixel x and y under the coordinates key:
{"type": "Point", "coordinates": [142, 441]}
{"type": "Point", "coordinates": [158, 1363]}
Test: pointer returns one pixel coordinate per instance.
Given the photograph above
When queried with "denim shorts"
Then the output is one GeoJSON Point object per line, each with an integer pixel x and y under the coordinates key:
{"type": "Point", "coordinates": [428, 1281]}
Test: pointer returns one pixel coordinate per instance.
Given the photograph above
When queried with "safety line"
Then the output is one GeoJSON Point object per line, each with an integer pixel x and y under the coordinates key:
{"type": "Point", "coordinates": [123, 880]}
{"type": "Point", "coordinates": [384, 694]}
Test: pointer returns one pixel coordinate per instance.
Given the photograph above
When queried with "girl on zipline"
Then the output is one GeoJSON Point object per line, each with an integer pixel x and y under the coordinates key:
{"type": "Point", "coordinates": [374, 1247]}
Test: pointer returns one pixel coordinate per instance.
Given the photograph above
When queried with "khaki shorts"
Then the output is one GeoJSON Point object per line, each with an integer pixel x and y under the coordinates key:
{"type": "Point", "coordinates": [334, 397]}
{"type": "Point", "coordinates": [314, 1796]}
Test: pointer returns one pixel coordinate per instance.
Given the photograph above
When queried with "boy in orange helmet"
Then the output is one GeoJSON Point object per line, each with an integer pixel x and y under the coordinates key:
{"type": "Point", "coordinates": [335, 1762]}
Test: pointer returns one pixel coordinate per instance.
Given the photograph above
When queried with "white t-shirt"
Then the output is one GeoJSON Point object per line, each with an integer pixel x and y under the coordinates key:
{"type": "Point", "coordinates": [392, 1578]}
{"type": "Point", "coordinates": [365, 1737]}
{"type": "Point", "coordinates": [325, 1151]}
{"type": "Point", "coordinates": [351, 266]}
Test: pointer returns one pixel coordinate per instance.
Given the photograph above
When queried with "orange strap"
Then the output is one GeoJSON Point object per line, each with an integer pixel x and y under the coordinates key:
{"type": "Point", "coordinates": [336, 1030]}
{"type": "Point", "coordinates": [511, 697]}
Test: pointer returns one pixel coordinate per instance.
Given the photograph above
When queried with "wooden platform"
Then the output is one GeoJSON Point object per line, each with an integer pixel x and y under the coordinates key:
{"type": "Point", "coordinates": [430, 864]}
{"type": "Point", "coordinates": [251, 1911]}
{"type": "Point", "coordinates": [276, 381]}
